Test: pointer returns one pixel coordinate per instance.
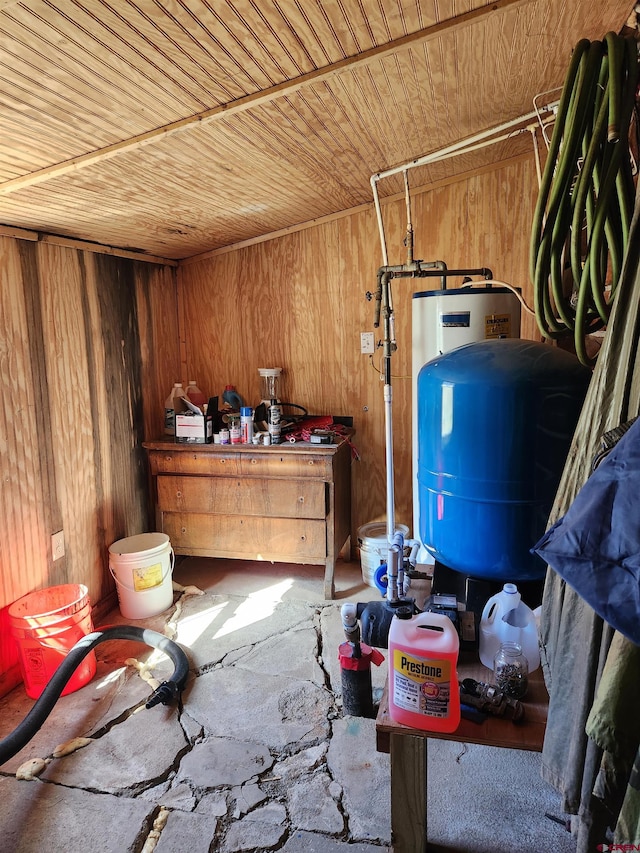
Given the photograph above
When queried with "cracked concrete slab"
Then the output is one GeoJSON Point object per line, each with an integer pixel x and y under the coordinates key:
{"type": "Point", "coordinates": [137, 752]}
{"type": "Point", "coordinates": [301, 762]}
{"type": "Point", "coordinates": [213, 626]}
{"type": "Point", "coordinates": [213, 804]}
{"type": "Point", "coordinates": [307, 842]}
{"type": "Point", "coordinates": [242, 765]}
{"type": "Point", "coordinates": [176, 796]}
{"type": "Point", "coordinates": [37, 816]}
{"type": "Point", "coordinates": [364, 775]}
{"type": "Point", "coordinates": [293, 653]}
{"type": "Point", "coordinates": [262, 828]}
{"type": "Point", "coordinates": [221, 761]}
{"type": "Point", "coordinates": [312, 806]}
{"type": "Point", "coordinates": [247, 797]}
{"type": "Point", "coordinates": [269, 709]}
{"type": "Point", "coordinates": [192, 832]}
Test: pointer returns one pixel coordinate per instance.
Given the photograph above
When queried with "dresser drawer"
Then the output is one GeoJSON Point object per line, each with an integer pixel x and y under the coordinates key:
{"type": "Point", "coordinates": [247, 537]}
{"type": "Point", "coordinates": [194, 462]}
{"type": "Point", "coordinates": [282, 464]}
{"type": "Point", "coordinates": [251, 496]}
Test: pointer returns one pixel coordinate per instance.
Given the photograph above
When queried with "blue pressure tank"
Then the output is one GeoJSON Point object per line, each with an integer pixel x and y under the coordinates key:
{"type": "Point", "coordinates": [495, 422]}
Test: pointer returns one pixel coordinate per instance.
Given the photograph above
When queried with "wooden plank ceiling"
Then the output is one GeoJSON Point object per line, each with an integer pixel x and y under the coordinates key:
{"type": "Point", "coordinates": [175, 127]}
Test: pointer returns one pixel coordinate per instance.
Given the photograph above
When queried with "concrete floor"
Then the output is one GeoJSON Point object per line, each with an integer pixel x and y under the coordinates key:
{"type": "Point", "coordinates": [258, 757]}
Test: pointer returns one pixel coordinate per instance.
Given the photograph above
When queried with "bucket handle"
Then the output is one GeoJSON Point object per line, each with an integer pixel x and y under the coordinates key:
{"type": "Point", "coordinates": [132, 589]}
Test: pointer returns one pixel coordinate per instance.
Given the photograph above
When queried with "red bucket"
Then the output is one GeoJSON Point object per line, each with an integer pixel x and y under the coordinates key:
{"type": "Point", "coordinates": [46, 624]}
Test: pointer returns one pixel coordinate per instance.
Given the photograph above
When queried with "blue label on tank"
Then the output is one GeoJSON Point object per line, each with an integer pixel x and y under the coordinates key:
{"type": "Point", "coordinates": [461, 318]}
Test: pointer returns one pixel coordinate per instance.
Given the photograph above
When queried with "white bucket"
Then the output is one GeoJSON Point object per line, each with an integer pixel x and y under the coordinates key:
{"type": "Point", "coordinates": [372, 539]}
{"type": "Point", "coordinates": [142, 567]}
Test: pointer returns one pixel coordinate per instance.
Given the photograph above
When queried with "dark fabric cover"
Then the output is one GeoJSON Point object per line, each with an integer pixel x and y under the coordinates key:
{"type": "Point", "coordinates": [574, 640]}
{"type": "Point", "coordinates": [595, 547]}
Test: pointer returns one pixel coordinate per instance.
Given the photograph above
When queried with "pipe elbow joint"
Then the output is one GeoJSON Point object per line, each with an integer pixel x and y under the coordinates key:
{"type": "Point", "coordinates": [349, 614]}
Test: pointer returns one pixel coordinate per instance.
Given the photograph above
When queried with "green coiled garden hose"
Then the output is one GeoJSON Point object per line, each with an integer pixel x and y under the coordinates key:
{"type": "Point", "coordinates": [585, 204]}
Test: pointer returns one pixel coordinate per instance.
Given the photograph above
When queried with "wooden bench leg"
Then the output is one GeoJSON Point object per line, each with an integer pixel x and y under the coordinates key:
{"type": "Point", "coordinates": [408, 793]}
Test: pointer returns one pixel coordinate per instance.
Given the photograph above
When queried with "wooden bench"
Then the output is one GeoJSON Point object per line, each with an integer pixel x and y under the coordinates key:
{"type": "Point", "coordinates": [408, 751]}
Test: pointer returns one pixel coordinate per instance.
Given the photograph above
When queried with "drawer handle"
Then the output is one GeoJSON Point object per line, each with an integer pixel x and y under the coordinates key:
{"type": "Point", "coordinates": [178, 494]}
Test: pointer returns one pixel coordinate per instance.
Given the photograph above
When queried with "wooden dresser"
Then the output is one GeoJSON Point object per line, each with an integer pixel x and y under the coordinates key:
{"type": "Point", "coordinates": [287, 503]}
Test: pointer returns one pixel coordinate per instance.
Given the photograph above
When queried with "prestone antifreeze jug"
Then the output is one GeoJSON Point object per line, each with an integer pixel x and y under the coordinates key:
{"type": "Point", "coordinates": [423, 676]}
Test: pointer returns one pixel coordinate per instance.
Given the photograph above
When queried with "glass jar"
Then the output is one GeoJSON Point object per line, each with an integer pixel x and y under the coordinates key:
{"type": "Point", "coordinates": [270, 378]}
{"type": "Point", "coordinates": [511, 670]}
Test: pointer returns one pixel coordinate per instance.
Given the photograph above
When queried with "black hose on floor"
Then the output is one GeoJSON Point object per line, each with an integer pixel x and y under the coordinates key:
{"type": "Point", "coordinates": [166, 693]}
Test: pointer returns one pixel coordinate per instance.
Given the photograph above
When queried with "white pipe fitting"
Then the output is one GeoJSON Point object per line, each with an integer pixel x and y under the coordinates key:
{"type": "Point", "coordinates": [349, 615]}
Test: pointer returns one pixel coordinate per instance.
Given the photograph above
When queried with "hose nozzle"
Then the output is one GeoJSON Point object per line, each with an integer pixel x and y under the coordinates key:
{"type": "Point", "coordinates": [165, 694]}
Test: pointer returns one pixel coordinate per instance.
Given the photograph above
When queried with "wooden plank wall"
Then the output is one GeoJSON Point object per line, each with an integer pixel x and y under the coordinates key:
{"type": "Point", "coordinates": [298, 302]}
{"type": "Point", "coordinates": [87, 341]}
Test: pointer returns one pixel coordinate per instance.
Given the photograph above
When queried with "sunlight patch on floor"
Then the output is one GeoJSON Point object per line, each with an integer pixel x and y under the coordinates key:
{"type": "Point", "coordinates": [191, 628]}
{"type": "Point", "coordinates": [258, 605]}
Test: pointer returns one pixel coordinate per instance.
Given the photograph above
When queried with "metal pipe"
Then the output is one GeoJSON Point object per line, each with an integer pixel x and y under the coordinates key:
{"type": "Point", "coordinates": [425, 270]}
{"type": "Point", "coordinates": [388, 402]}
{"type": "Point", "coordinates": [450, 149]}
{"type": "Point", "coordinates": [446, 273]}
{"type": "Point", "coordinates": [472, 143]}
{"type": "Point", "coordinates": [397, 546]}
{"type": "Point", "coordinates": [415, 269]}
{"type": "Point", "coordinates": [443, 267]}
{"type": "Point", "coordinates": [393, 586]}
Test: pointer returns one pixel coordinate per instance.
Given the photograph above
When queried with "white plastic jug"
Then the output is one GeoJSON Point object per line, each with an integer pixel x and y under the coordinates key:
{"type": "Point", "coordinates": [507, 619]}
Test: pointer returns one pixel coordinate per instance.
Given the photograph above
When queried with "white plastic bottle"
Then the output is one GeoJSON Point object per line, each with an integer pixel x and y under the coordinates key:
{"type": "Point", "coordinates": [507, 619]}
{"type": "Point", "coordinates": [246, 424]}
{"type": "Point", "coordinates": [195, 395]}
{"type": "Point", "coordinates": [235, 430]}
{"type": "Point", "coordinates": [170, 408]}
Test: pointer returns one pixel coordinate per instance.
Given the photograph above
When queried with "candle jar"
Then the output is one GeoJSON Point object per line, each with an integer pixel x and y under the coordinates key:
{"type": "Point", "coordinates": [511, 670]}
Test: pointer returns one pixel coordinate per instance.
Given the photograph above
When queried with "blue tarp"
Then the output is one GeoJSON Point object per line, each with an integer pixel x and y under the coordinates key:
{"type": "Point", "coordinates": [595, 546]}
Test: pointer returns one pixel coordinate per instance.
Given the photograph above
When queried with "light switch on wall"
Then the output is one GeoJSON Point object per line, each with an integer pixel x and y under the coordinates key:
{"type": "Point", "coordinates": [367, 343]}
